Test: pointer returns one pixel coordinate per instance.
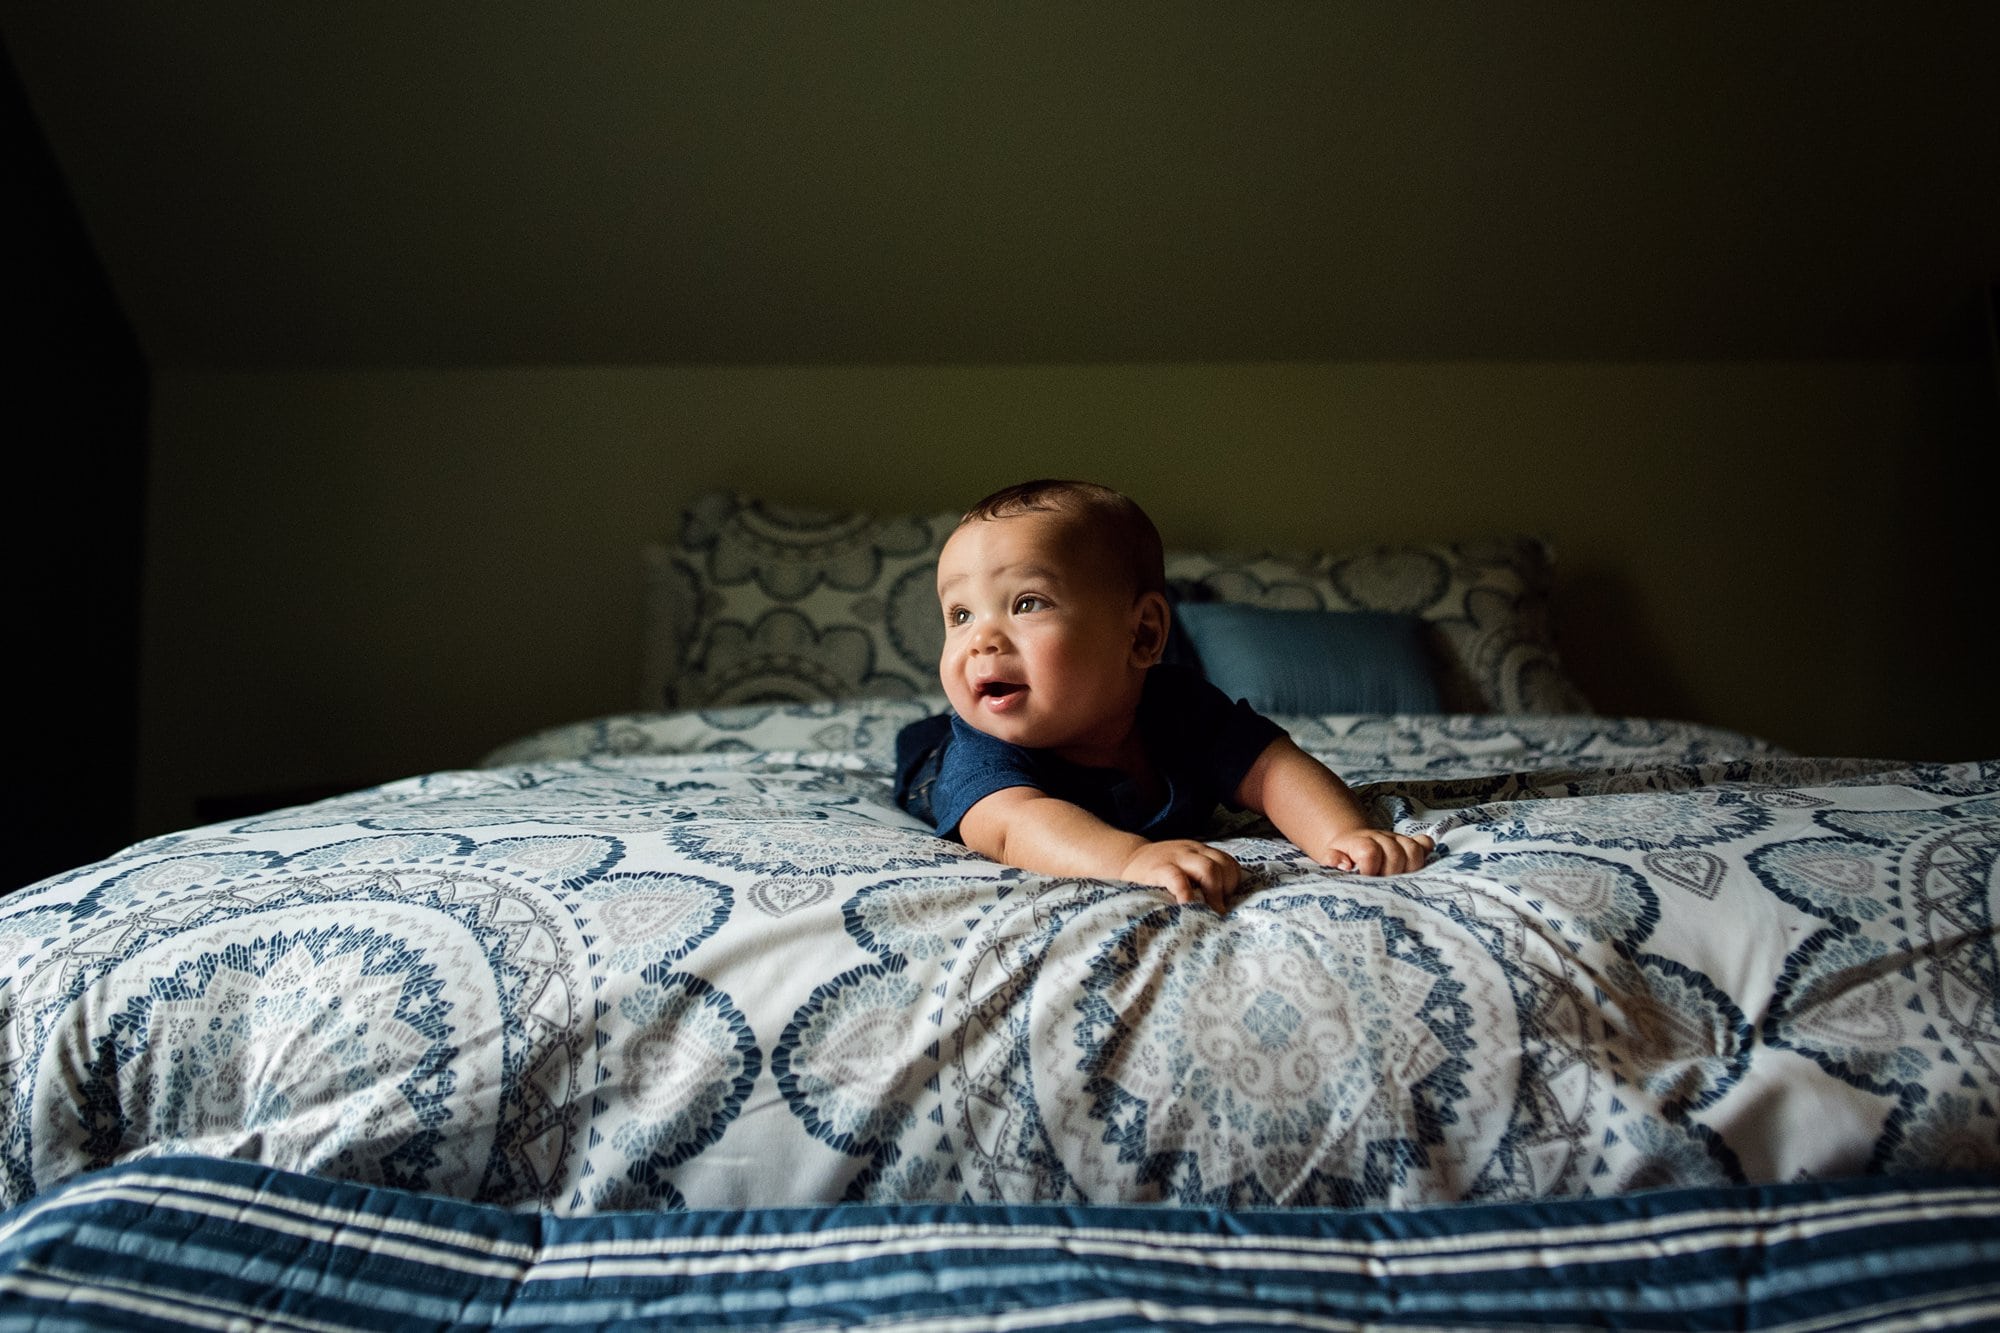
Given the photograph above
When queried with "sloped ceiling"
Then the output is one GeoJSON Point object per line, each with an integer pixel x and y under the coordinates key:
{"type": "Point", "coordinates": [416, 184]}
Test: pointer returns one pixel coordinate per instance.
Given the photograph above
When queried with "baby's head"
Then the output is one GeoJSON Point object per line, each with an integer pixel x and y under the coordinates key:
{"type": "Point", "coordinates": [1105, 528]}
{"type": "Point", "coordinates": [1054, 603]}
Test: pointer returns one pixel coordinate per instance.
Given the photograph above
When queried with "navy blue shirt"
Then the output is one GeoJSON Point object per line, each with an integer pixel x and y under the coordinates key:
{"type": "Point", "coordinates": [1199, 742]}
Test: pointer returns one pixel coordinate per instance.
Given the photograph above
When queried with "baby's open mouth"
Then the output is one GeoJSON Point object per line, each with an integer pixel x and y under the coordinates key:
{"type": "Point", "coordinates": [999, 689]}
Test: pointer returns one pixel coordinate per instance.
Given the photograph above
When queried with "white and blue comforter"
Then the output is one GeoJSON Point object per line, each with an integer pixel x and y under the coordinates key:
{"type": "Point", "coordinates": [700, 960]}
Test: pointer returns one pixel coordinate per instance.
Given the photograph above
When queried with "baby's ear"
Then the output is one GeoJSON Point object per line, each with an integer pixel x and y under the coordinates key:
{"type": "Point", "coordinates": [1150, 619]}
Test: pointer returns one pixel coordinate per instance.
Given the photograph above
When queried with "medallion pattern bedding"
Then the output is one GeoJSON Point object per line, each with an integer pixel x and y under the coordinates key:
{"type": "Point", "coordinates": [700, 960]}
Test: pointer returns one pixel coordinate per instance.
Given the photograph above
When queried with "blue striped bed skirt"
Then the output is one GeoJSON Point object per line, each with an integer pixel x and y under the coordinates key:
{"type": "Point", "coordinates": [183, 1243]}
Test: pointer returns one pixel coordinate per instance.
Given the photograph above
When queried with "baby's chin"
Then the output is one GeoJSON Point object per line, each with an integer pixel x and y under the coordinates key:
{"type": "Point", "coordinates": [1014, 730]}
{"type": "Point", "coordinates": [993, 727]}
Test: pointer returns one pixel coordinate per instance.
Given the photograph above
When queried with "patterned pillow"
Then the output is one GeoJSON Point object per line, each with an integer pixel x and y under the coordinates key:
{"type": "Point", "coordinates": [763, 603]}
{"type": "Point", "coordinates": [1487, 602]}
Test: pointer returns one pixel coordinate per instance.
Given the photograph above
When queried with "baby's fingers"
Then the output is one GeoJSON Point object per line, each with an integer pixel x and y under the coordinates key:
{"type": "Point", "coordinates": [1407, 853]}
{"type": "Point", "coordinates": [1215, 873]}
{"type": "Point", "coordinates": [1377, 852]}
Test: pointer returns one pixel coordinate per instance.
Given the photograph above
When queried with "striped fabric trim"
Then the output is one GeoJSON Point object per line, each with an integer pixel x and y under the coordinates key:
{"type": "Point", "coordinates": [184, 1243]}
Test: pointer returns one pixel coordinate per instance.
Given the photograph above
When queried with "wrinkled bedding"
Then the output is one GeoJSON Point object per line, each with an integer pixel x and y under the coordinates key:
{"type": "Point", "coordinates": [701, 960]}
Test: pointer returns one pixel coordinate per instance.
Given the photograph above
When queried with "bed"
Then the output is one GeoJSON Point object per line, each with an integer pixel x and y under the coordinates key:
{"type": "Point", "coordinates": [653, 972]}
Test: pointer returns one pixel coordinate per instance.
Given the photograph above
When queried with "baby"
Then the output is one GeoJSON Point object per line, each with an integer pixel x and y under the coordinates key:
{"type": "Point", "coordinates": [1071, 751]}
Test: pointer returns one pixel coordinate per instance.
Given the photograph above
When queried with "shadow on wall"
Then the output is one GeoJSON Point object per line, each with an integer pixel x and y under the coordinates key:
{"type": "Point", "coordinates": [1615, 657]}
{"type": "Point", "coordinates": [76, 393]}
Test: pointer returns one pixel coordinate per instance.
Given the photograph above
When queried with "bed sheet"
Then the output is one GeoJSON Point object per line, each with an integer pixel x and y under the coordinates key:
{"type": "Point", "coordinates": [700, 960]}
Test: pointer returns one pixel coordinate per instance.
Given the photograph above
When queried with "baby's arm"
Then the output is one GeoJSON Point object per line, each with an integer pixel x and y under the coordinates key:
{"type": "Point", "coordinates": [1314, 808]}
{"type": "Point", "coordinates": [1026, 827]}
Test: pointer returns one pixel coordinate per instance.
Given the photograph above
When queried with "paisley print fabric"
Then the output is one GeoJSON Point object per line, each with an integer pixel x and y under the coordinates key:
{"type": "Point", "coordinates": [762, 602]}
{"type": "Point", "coordinates": [699, 959]}
{"type": "Point", "coordinates": [759, 602]}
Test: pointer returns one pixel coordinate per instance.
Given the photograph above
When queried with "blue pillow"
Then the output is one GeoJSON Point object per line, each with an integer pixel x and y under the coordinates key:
{"type": "Point", "coordinates": [1313, 661]}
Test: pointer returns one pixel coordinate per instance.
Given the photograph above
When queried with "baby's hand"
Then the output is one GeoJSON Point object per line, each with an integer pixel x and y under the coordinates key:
{"type": "Point", "coordinates": [1186, 869]}
{"type": "Point", "coordinates": [1374, 851]}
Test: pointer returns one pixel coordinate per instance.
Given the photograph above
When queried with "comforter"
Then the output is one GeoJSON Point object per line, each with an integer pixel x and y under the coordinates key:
{"type": "Point", "coordinates": [701, 960]}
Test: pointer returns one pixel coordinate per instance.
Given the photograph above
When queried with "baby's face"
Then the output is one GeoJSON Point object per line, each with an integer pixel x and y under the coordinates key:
{"type": "Point", "coordinates": [1040, 647]}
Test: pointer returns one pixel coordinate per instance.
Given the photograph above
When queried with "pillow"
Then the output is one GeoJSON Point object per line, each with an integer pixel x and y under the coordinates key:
{"type": "Point", "coordinates": [1285, 661]}
{"type": "Point", "coordinates": [760, 602]}
{"type": "Point", "coordinates": [1486, 601]}
{"type": "Point", "coordinates": [763, 603]}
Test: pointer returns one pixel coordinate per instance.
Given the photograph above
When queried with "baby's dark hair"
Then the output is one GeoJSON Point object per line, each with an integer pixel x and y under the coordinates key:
{"type": "Point", "coordinates": [1100, 515]}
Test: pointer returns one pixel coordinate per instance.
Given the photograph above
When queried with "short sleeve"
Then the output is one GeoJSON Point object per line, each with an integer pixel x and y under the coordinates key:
{"type": "Point", "coordinates": [975, 766]}
{"type": "Point", "coordinates": [1218, 737]}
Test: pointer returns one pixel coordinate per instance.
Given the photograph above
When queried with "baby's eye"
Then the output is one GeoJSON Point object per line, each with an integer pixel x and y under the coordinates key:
{"type": "Point", "coordinates": [958, 615]}
{"type": "Point", "coordinates": [1024, 605]}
